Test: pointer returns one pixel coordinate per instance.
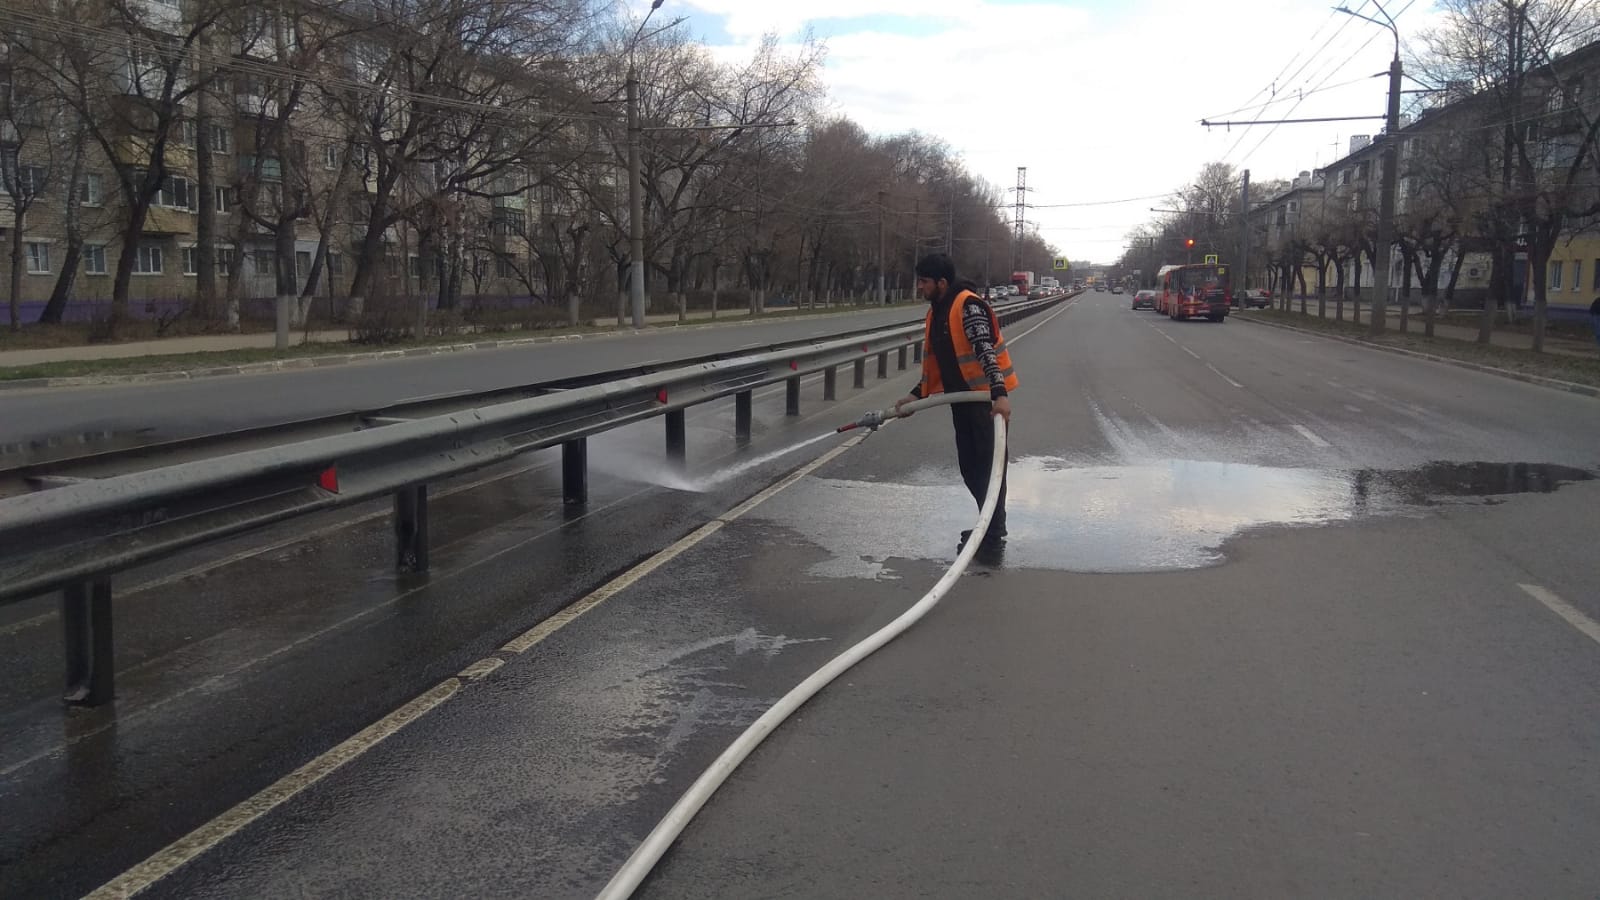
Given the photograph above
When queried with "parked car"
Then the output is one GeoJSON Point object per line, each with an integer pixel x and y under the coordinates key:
{"type": "Point", "coordinates": [1144, 300]}
{"type": "Point", "coordinates": [1099, 287]}
{"type": "Point", "coordinates": [1116, 289]}
{"type": "Point", "coordinates": [1253, 298]}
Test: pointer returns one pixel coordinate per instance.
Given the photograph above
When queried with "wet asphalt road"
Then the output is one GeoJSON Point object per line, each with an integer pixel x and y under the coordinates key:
{"type": "Point", "coordinates": [1260, 630]}
{"type": "Point", "coordinates": [170, 410]}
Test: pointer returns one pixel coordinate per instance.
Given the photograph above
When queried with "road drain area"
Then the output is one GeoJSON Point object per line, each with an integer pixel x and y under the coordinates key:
{"type": "Point", "coordinates": [1124, 518]}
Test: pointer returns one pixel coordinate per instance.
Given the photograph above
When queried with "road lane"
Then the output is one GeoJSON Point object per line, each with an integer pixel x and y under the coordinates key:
{"type": "Point", "coordinates": [1218, 659]}
{"type": "Point", "coordinates": [169, 410]}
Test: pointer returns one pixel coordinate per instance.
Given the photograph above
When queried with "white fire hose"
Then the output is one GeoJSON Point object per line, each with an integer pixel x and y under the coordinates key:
{"type": "Point", "coordinates": [660, 838]}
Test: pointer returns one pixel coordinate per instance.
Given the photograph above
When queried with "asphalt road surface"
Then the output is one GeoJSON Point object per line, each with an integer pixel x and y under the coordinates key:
{"type": "Point", "coordinates": [1278, 616]}
{"type": "Point", "coordinates": [169, 410]}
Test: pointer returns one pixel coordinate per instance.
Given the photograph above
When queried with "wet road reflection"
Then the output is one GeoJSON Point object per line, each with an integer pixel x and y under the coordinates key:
{"type": "Point", "coordinates": [1125, 518]}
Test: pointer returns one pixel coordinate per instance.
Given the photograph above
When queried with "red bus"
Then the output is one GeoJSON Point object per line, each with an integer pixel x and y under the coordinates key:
{"type": "Point", "coordinates": [1194, 290]}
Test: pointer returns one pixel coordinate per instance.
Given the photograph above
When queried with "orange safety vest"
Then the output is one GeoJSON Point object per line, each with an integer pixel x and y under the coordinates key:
{"type": "Point", "coordinates": [971, 366]}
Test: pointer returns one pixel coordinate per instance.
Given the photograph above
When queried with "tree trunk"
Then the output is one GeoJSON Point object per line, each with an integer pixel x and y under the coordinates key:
{"type": "Point", "coordinates": [18, 211]}
{"type": "Point", "coordinates": [127, 259]}
{"type": "Point", "coordinates": [57, 305]}
{"type": "Point", "coordinates": [205, 261]}
{"type": "Point", "coordinates": [1539, 253]}
{"type": "Point", "coordinates": [1499, 284]}
{"type": "Point", "coordinates": [1355, 314]}
{"type": "Point", "coordinates": [1322, 286]}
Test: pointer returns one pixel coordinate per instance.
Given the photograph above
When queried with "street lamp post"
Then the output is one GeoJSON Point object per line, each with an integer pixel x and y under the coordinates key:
{"type": "Point", "coordinates": [1391, 175]}
{"type": "Point", "coordinates": [635, 175]}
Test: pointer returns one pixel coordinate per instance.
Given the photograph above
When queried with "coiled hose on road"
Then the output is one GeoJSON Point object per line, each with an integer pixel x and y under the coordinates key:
{"type": "Point", "coordinates": [655, 845]}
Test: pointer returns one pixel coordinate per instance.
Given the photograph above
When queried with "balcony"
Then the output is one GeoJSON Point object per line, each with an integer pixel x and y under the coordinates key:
{"type": "Point", "coordinates": [257, 105]}
{"type": "Point", "coordinates": [166, 220]}
{"type": "Point", "coordinates": [134, 150]}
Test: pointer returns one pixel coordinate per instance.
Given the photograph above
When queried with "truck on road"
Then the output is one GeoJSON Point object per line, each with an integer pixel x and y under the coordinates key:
{"type": "Point", "coordinates": [1024, 282]}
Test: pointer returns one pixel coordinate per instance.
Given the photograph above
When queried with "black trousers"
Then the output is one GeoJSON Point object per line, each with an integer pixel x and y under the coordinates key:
{"type": "Point", "coordinates": [974, 450]}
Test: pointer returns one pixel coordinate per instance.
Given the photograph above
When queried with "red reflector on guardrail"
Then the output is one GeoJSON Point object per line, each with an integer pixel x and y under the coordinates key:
{"type": "Point", "coordinates": [329, 480]}
{"type": "Point", "coordinates": [865, 349]}
{"type": "Point", "coordinates": [794, 364]}
{"type": "Point", "coordinates": [661, 395]}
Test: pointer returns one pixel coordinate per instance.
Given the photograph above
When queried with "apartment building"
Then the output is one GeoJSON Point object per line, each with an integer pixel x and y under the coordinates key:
{"type": "Point", "coordinates": [284, 153]}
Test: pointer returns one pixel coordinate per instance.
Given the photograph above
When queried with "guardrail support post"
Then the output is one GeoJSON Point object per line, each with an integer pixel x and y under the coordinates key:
{"type": "Point", "coordinates": [575, 471]}
{"type": "Point", "coordinates": [86, 625]}
{"type": "Point", "coordinates": [792, 396]}
{"type": "Point", "coordinates": [860, 380]}
{"type": "Point", "coordinates": [916, 352]}
{"type": "Point", "coordinates": [677, 441]}
{"type": "Point", "coordinates": [741, 417]}
{"type": "Point", "coordinates": [883, 364]}
{"type": "Point", "coordinates": [901, 360]}
{"type": "Point", "coordinates": [411, 528]}
{"type": "Point", "coordinates": [830, 383]}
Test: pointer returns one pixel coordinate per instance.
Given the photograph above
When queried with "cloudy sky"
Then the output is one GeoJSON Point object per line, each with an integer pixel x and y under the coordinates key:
{"type": "Point", "coordinates": [1100, 99]}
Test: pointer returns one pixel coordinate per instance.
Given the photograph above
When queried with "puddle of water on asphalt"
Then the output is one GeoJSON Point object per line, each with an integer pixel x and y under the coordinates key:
{"type": "Point", "coordinates": [1123, 518]}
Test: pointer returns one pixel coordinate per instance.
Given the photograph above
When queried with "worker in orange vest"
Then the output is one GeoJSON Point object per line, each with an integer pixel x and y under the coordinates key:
{"type": "Point", "coordinates": [963, 351]}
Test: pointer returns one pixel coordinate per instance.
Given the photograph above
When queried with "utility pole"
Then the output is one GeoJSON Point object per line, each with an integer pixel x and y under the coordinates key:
{"type": "Point", "coordinates": [950, 224]}
{"type": "Point", "coordinates": [1391, 179]}
{"type": "Point", "coordinates": [1021, 212]}
{"type": "Point", "coordinates": [1244, 244]}
{"type": "Point", "coordinates": [882, 297]}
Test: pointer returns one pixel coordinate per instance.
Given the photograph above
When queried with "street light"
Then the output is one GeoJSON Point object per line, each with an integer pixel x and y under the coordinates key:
{"type": "Point", "coordinates": [635, 190]}
{"type": "Point", "coordinates": [1391, 164]}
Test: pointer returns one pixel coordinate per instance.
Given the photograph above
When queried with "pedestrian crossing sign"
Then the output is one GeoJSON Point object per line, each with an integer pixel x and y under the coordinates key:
{"type": "Point", "coordinates": [1062, 265]}
{"type": "Point", "coordinates": [1211, 259]}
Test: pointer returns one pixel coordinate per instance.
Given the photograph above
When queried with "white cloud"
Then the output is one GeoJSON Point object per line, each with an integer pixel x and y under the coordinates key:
{"type": "Point", "coordinates": [1099, 102]}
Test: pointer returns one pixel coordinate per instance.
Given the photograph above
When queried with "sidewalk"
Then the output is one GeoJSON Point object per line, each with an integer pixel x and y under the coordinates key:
{"type": "Point", "coordinates": [264, 340]}
{"type": "Point", "coordinates": [1561, 346]}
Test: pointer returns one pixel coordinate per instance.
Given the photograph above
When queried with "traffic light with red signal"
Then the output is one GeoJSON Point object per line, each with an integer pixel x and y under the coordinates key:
{"type": "Point", "coordinates": [1188, 243]}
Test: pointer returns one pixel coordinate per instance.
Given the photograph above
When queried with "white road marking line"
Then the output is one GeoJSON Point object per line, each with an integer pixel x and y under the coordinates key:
{"type": "Point", "coordinates": [184, 850]}
{"type": "Point", "coordinates": [180, 852]}
{"type": "Point", "coordinates": [1222, 376]}
{"type": "Point", "coordinates": [1309, 435]}
{"type": "Point", "coordinates": [1352, 408]}
{"type": "Point", "coordinates": [1565, 610]}
{"type": "Point", "coordinates": [1188, 351]}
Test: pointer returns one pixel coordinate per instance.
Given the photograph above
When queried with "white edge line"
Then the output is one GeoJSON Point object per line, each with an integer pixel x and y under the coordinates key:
{"type": "Point", "coordinates": [191, 846]}
{"type": "Point", "coordinates": [187, 848]}
{"type": "Point", "coordinates": [1565, 610]}
{"type": "Point", "coordinates": [1190, 352]}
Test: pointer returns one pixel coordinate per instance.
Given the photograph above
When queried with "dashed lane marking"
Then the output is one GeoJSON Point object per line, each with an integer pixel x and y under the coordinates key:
{"type": "Point", "coordinates": [1222, 376]}
{"type": "Point", "coordinates": [1565, 610]}
{"type": "Point", "coordinates": [1309, 435]}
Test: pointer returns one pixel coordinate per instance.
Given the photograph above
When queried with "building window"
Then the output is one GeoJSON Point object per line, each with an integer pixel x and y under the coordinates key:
{"type": "Point", "coordinates": [94, 259]}
{"type": "Point", "coordinates": [94, 189]}
{"type": "Point", "coordinates": [220, 139]}
{"type": "Point", "coordinates": [421, 266]}
{"type": "Point", "coordinates": [148, 261]}
{"type": "Point", "coordinates": [335, 264]}
{"type": "Point", "coordinates": [177, 192]}
{"type": "Point", "coordinates": [1555, 276]}
{"type": "Point", "coordinates": [30, 180]}
{"type": "Point", "coordinates": [1577, 275]}
{"type": "Point", "coordinates": [224, 261]}
{"type": "Point", "coordinates": [302, 263]}
{"type": "Point", "coordinates": [330, 156]}
{"type": "Point", "coordinates": [38, 257]}
{"type": "Point", "coordinates": [188, 134]}
{"type": "Point", "coordinates": [1362, 170]}
{"type": "Point", "coordinates": [503, 267]}
{"type": "Point", "coordinates": [189, 267]}
{"type": "Point", "coordinates": [263, 263]}
{"type": "Point", "coordinates": [1596, 271]}
{"type": "Point", "coordinates": [1344, 177]}
{"type": "Point", "coordinates": [224, 198]}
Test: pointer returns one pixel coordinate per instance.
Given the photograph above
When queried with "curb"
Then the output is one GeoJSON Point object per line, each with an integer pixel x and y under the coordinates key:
{"type": "Point", "coordinates": [1570, 387]}
{"type": "Point", "coordinates": [341, 359]}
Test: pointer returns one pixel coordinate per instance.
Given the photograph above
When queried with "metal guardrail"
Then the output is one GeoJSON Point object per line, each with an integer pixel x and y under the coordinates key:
{"type": "Point", "coordinates": [74, 536]}
{"type": "Point", "coordinates": [50, 462]}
